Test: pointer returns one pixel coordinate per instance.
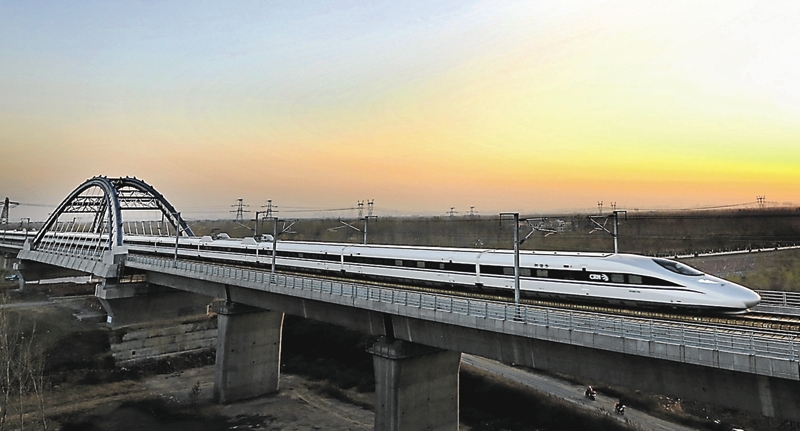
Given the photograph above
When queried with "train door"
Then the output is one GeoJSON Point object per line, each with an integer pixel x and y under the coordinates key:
{"type": "Point", "coordinates": [478, 280]}
{"type": "Point", "coordinates": [347, 264]}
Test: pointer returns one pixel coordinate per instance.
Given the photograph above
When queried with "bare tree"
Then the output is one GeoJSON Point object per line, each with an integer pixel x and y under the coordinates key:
{"type": "Point", "coordinates": [22, 395]}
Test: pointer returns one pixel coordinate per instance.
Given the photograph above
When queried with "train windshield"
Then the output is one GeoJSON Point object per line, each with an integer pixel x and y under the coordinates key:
{"type": "Point", "coordinates": [677, 267]}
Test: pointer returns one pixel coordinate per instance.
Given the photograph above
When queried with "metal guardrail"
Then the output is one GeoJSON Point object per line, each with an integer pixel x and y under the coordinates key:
{"type": "Point", "coordinates": [92, 254]}
{"type": "Point", "coordinates": [69, 250]}
{"type": "Point", "coordinates": [732, 252]}
{"type": "Point", "coordinates": [12, 243]}
{"type": "Point", "coordinates": [750, 342]}
{"type": "Point", "coordinates": [779, 299]}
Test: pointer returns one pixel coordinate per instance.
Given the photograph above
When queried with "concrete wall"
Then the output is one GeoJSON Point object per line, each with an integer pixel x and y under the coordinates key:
{"type": "Point", "coordinates": [159, 342]}
{"type": "Point", "coordinates": [160, 305]}
{"type": "Point", "coordinates": [156, 322]}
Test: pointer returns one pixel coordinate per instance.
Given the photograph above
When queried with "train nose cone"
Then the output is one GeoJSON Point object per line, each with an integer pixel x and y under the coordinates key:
{"type": "Point", "coordinates": [750, 298]}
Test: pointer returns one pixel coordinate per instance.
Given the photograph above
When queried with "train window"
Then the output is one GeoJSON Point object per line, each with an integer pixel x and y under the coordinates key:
{"type": "Point", "coordinates": [541, 273]}
{"type": "Point", "coordinates": [677, 267]}
{"type": "Point", "coordinates": [420, 264]}
{"type": "Point", "coordinates": [460, 267]}
{"type": "Point", "coordinates": [491, 269]}
{"type": "Point", "coordinates": [441, 266]}
{"type": "Point", "coordinates": [330, 257]}
{"type": "Point", "coordinates": [508, 271]}
{"type": "Point", "coordinates": [299, 254]}
{"type": "Point", "coordinates": [398, 262]}
{"type": "Point", "coordinates": [635, 279]}
{"type": "Point", "coordinates": [617, 278]}
{"type": "Point", "coordinates": [525, 272]}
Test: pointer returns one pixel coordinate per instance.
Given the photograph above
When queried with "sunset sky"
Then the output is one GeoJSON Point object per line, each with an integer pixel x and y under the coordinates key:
{"type": "Point", "coordinates": [531, 106]}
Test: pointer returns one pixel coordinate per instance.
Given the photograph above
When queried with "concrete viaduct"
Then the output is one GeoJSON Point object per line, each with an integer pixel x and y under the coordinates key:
{"type": "Point", "coordinates": [419, 337]}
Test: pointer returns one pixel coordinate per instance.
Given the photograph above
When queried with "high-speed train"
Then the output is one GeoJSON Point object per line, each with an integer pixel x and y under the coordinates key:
{"type": "Point", "coordinates": [616, 279]}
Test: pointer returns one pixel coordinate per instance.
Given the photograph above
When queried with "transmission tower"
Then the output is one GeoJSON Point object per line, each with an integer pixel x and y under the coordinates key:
{"type": "Point", "coordinates": [271, 209]}
{"type": "Point", "coordinates": [760, 201]}
{"type": "Point", "coordinates": [6, 205]}
{"type": "Point", "coordinates": [240, 210]}
{"type": "Point", "coordinates": [269, 214]}
{"type": "Point", "coordinates": [452, 212]}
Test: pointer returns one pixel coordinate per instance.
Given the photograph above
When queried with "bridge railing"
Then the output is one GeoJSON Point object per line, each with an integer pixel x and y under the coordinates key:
{"type": "Point", "coordinates": [85, 247]}
{"type": "Point", "coordinates": [779, 299]}
{"type": "Point", "coordinates": [722, 339]}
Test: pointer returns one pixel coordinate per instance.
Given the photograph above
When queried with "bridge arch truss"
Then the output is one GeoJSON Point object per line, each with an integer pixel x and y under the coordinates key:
{"type": "Point", "coordinates": [92, 219]}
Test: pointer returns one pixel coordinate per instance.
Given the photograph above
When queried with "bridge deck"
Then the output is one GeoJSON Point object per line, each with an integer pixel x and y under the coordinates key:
{"type": "Point", "coordinates": [751, 351]}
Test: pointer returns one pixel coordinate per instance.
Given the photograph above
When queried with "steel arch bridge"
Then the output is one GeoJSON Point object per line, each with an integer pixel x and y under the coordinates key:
{"type": "Point", "coordinates": [100, 203]}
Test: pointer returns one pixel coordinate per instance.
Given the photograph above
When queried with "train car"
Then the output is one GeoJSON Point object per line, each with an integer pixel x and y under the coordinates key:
{"type": "Point", "coordinates": [617, 279]}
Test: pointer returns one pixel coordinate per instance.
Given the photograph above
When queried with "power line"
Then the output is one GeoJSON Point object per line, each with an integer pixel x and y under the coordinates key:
{"type": "Point", "coordinates": [289, 209]}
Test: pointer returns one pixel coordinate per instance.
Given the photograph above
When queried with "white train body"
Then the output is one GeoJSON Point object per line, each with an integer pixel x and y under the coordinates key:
{"type": "Point", "coordinates": [617, 279]}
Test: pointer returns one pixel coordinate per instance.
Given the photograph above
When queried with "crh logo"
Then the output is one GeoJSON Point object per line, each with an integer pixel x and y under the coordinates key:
{"type": "Point", "coordinates": [598, 277]}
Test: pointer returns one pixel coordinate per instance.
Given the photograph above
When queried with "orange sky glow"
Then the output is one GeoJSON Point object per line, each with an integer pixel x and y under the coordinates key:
{"type": "Point", "coordinates": [536, 107]}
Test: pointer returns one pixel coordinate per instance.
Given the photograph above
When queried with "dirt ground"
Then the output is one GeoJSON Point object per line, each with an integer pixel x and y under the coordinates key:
{"type": "Point", "coordinates": [166, 402]}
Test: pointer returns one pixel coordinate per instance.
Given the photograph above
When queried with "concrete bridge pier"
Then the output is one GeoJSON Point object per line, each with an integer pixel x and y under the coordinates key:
{"type": "Point", "coordinates": [416, 386]}
{"type": "Point", "coordinates": [6, 262]}
{"type": "Point", "coordinates": [248, 352]}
